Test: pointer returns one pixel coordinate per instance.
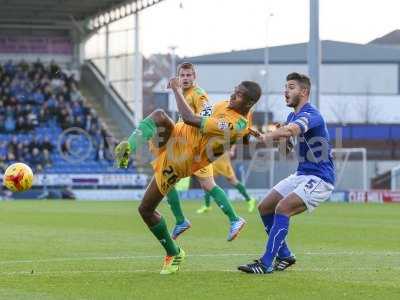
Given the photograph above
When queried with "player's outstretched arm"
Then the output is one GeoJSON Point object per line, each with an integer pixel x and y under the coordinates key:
{"type": "Point", "coordinates": [290, 130]}
{"type": "Point", "coordinates": [187, 114]}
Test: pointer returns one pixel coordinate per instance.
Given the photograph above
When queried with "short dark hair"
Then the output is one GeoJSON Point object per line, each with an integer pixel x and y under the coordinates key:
{"type": "Point", "coordinates": [302, 79]}
{"type": "Point", "coordinates": [187, 66]}
{"type": "Point", "coordinates": [253, 90]}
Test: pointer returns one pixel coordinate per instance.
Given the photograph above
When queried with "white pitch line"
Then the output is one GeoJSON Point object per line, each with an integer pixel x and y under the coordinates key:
{"type": "Point", "coordinates": [64, 259]}
{"type": "Point", "coordinates": [294, 270]}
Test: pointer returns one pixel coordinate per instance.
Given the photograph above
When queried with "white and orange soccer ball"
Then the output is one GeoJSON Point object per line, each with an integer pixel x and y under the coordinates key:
{"type": "Point", "coordinates": [18, 177]}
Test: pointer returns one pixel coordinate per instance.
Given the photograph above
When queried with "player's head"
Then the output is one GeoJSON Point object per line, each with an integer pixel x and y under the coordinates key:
{"type": "Point", "coordinates": [246, 94]}
{"type": "Point", "coordinates": [297, 89]}
{"type": "Point", "coordinates": [186, 75]}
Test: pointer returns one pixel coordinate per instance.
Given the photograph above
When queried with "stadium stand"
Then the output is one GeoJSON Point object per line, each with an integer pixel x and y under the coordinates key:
{"type": "Point", "coordinates": [37, 104]}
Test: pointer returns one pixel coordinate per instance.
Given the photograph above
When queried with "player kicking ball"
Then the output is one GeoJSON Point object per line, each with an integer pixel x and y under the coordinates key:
{"type": "Point", "coordinates": [197, 99]}
{"type": "Point", "coordinates": [184, 148]}
{"type": "Point", "coordinates": [311, 185]}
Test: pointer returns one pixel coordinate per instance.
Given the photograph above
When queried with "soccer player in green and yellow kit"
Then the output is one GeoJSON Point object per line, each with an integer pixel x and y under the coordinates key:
{"type": "Point", "coordinates": [197, 99]}
{"type": "Point", "coordinates": [185, 148]}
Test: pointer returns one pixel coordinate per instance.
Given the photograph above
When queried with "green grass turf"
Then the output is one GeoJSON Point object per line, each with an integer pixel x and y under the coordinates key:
{"type": "Point", "coordinates": [102, 250]}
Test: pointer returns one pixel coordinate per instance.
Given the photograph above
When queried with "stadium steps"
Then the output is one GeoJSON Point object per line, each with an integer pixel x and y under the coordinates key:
{"type": "Point", "coordinates": [101, 112]}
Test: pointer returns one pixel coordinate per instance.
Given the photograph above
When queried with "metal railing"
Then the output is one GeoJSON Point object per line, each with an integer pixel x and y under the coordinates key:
{"type": "Point", "coordinates": [112, 102]}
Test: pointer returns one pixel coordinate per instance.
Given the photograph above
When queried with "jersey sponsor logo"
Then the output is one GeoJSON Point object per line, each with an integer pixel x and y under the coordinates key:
{"type": "Point", "coordinates": [207, 111]}
{"type": "Point", "coordinates": [223, 125]}
{"type": "Point", "coordinates": [241, 124]}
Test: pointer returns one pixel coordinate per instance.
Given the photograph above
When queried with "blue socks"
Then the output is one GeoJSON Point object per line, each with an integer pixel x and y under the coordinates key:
{"type": "Point", "coordinates": [276, 238]}
{"type": "Point", "coordinates": [268, 221]}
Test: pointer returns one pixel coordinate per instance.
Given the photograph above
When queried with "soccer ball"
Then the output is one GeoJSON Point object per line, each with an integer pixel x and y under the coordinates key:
{"type": "Point", "coordinates": [18, 177]}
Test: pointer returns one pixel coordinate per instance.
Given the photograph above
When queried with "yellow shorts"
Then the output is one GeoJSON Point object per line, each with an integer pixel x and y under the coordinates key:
{"type": "Point", "coordinates": [204, 172]}
{"type": "Point", "coordinates": [165, 173]}
{"type": "Point", "coordinates": [223, 167]}
{"type": "Point", "coordinates": [175, 160]}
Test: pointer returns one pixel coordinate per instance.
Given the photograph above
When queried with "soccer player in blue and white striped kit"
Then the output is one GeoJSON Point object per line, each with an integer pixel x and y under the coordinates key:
{"type": "Point", "coordinates": [304, 190]}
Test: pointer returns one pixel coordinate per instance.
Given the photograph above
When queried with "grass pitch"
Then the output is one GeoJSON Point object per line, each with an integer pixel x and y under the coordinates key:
{"type": "Point", "coordinates": [102, 250]}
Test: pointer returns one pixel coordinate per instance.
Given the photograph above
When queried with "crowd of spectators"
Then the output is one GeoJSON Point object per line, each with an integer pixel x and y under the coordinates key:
{"type": "Point", "coordinates": [38, 95]}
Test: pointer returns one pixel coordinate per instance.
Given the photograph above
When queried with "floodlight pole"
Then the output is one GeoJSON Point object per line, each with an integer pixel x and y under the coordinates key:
{"type": "Point", "coordinates": [314, 52]}
{"type": "Point", "coordinates": [107, 38]}
{"type": "Point", "coordinates": [173, 74]}
{"type": "Point", "coordinates": [266, 69]}
{"type": "Point", "coordinates": [173, 61]}
{"type": "Point", "coordinates": [138, 70]}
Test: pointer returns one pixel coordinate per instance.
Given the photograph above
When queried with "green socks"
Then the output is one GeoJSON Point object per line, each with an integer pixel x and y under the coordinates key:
{"type": "Point", "coordinates": [207, 199]}
{"type": "Point", "coordinates": [144, 132]}
{"type": "Point", "coordinates": [242, 190]}
{"type": "Point", "coordinates": [175, 204]}
{"type": "Point", "coordinates": [161, 233]}
{"type": "Point", "coordinates": [222, 201]}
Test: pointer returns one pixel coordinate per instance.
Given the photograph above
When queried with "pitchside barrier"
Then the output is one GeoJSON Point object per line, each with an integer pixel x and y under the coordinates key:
{"type": "Point", "coordinates": [86, 194]}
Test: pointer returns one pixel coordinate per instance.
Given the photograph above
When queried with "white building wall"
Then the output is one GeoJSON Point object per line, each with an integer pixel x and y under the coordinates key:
{"type": "Point", "coordinates": [360, 78]}
{"type": "Point", "coordinates": [335, 78]}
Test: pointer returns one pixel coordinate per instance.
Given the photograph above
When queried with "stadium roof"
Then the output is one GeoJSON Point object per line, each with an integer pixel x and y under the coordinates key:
{"type": "Point", "coordinates": [332, 52]}
{"type": "Point", "coordinates": [392, 38]}
{"type": "Point", "coordinates": [94, 13]}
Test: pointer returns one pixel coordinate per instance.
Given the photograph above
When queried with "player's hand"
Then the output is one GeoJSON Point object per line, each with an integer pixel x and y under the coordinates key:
{"type": "Point", "coordinates": [174, 84]}
{"type": "Point", "coordinates": [279, 124]}
{"type": "Point", "coordinates": [122, 153]}
{"type": "Point", "coordinates": [289, 144]}
{"type": "Point", "coordinates": [254, 133]}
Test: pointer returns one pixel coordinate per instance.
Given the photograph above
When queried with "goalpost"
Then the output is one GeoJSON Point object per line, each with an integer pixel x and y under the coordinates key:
{"type": "Point", "coordinates": [347, 168]}
{"type": "Point", "coordinates": [350, 165]}
{"type": "Point", "coordinates": [394, 178]}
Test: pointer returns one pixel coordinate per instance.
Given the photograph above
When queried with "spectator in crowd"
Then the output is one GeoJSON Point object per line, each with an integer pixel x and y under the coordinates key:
{"type": "Point", "coordinates": [20, 155]}
{"type": "Point", "coordinates": [26, 151]}
{"type": "Point", "coordinates": [44, 114]}
{"type": "Point", "coordinates": [46, 144]}
{"type": "Point", "coordinates": [68, 122]}
{"type": "Point", "coordinates": [10, 158]}
{"type": "Point", "coordinates": [36, 160]}
{"type": "Point", "coordinates": [79, 122]}
{"type": "Point", "coordinates": [37, 96]}
{"type": "Point", "coordinates": [46, 159]}
{"type": "Point", "coordinates": [10, 68]}
{"type": "Point", "coordinates": [10, 124]}
{"type": "Point", "coordinates": [13, 145]}
{"type": "Point", "coordinates": [38, 66]}
{"type": "Point", "coordinates": [22, 125]}
{"type": "Point", "coordinates": [35, 143]}
{"type": "Point", "coordinates": [3, 165]}
{"type": "Point", "coordinates": [54, 69]}
{"type": "Point", "coordinates": [75, 94]}
{"type": "Point", "coordinates": [2, 108]}
{"type": "Point", "coordinates": [2, 124]}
